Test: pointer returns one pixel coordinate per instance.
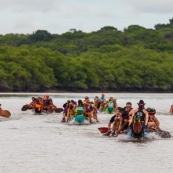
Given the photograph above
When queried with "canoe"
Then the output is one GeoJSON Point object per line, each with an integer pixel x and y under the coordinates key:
{"type": "Point", "coordinates": [49, 110]}
{"type": "Point", "coordinates": [52, 110]}
{"type": "Point", "coordinates": [161, 133]}
{"type": "Point", "coordinates": [79, 119]}
{"type": "Point", "coordinates": [73, 122]}
{"type": "Point", "coordinates": [58, 110]}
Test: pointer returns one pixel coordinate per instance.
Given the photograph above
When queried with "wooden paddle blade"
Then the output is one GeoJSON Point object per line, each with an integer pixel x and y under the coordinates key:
{"type": "Point", "coordinates": [163, 134]}
{"type": "Point", "coordinates": [58, 110]}
{"type": "Point", "coordinates": [49, 110]}
{"type": "Point", "coordinates": [25, 107]}
{"type": "Point", "coordinates": [103, 129]}
{"type": "Point", "coordinates": [5, 113]}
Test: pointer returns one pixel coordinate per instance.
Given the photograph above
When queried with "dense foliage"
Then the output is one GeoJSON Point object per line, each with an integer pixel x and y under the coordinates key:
{"type": "Point", "coordinates": [135, 59]}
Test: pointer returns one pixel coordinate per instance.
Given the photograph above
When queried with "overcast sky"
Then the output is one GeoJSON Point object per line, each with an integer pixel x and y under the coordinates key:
{"type": "Point", "coordinates": [59, 16]}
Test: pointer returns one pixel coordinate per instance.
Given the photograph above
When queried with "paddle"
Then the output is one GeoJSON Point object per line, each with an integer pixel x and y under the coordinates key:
{"type": "Point", "coordinates": [25, 107]}
{"type": "Point", "coordinates": [51, 110]}
{"type": "Point", "coordinates": [163, 134]}
{"type": "Point", "coordinates": [58, 110]}
{"type": "Point", "coordinates": [103, 129]}
{"type": "Point", "coordinates": [4, 113]}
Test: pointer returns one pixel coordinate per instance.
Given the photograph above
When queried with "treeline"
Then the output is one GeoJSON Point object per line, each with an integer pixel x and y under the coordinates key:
{"type": "Point", "coordinates": [135, 59]}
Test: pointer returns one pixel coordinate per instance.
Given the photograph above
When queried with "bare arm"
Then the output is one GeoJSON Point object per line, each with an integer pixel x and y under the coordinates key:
{"type": "Point", "coordinates": [120, 125]}
{"type": "Point", "coordinates": [170, 111]}
{"type": "Point", "coordinates": [116, 106]}
{"type": "Point", "coordinates": [109, 125]}
{"type": "Point", "coordinates": [68, 116]}
{"type": "Point", "coordinates": [131, 112]}
{"type": "Point", "coordinates": [146, 116]}
{"type": "Point", "coordinates": [131, 118]}
{"type": "Point", "coordinates": [92, 114]}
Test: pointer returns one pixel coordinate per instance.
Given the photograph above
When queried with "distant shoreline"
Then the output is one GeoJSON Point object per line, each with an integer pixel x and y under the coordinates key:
{"type": "Point", "coordinates": [88, 91]}
{"type": "Point", "coordinates": [98, 91]}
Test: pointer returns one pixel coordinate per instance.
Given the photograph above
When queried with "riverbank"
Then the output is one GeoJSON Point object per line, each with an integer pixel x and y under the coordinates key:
{"type": "Point", "coordinates": [120, 90]}
{"type": "Point", "coordinates": [85, 91]}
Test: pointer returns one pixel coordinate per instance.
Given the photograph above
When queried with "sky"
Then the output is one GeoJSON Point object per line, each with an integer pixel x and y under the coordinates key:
{"type": "Point", "coordinates": [59, 16]}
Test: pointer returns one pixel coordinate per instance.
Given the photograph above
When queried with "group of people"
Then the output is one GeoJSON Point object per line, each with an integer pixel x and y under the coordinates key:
{"type": "Point", "coordinates": [122, 120]}
{"type": "Point", "coordinates": [103, 105]}
{"type": "Point", "coordinates": [39, 104]}
{"type": "Point", "coordinates": [74, 109]}
{"type": "Point", "coordinates": [88, 108]}
{"type": "Point", "coordinates": [126, 120]}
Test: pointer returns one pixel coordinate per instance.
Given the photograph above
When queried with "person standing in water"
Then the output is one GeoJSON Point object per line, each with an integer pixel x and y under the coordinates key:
{"type": "Point", "coordinates": [142, 112]}
{"type": "Point", "coordinates": [171, 110]}
{"type": "Point", "coordinates": [102, 103]}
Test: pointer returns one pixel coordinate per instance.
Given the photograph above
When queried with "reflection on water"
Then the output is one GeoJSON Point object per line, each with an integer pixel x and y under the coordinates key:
{"type": "Point", "coordinates": [42, 144]}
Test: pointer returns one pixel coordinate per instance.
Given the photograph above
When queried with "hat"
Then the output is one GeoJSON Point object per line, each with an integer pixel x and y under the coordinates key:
{"type": "Point", "coordinates": [46, 96]}
{"type": "Point", "coordinates": [86, 97]}
{"type": "Point", "coordinates": [141, 102]}
{"type": "Point", "coordinates": [151, 111]}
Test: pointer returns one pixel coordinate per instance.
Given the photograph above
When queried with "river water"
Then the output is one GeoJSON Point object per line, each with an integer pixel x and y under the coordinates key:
{"type": "Point", "coordinates": [42, 144]}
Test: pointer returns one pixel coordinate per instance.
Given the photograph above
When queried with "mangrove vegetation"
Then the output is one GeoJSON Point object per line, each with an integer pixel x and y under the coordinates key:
{"type": "Point", "coordinates": [135, 59]}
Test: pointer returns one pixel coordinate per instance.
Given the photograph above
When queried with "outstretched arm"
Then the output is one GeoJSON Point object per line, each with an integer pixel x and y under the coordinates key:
{"type": "Point", "coordinates": [171, 109]}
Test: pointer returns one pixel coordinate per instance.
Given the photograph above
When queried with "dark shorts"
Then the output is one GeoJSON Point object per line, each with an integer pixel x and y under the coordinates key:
{"type": "Point", "coordinates": [112, 119]}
